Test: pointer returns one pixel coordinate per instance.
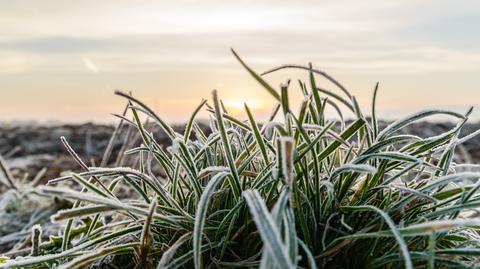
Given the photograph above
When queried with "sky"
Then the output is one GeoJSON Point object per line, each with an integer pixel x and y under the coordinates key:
{"type": "Point", "coordinates": [62, 60]}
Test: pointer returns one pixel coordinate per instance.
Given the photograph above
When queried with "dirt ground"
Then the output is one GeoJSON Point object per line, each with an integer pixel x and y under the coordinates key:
{"type": "Point", "coordinates": [29, 148]}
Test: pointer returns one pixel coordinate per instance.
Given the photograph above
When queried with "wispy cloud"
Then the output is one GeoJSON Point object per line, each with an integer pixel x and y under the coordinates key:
{"type": "Point", "coordinates": [90, 65]}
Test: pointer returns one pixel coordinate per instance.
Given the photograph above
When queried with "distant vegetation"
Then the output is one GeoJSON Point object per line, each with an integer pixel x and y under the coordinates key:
{"type": "Point", "coordinates": [302, 192]}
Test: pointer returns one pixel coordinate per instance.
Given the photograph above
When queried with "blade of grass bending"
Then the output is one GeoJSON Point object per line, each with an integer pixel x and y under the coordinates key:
{"type": "Point", "coordinates": [433, 143]}
{"type": "Point", "coordinates": [123, 171]}
{"type": "Point", "coordinates": [68, 226]}
{"type": "Point", "coordinates": [165, 126]}
{"type": "Point", "coordinates": [336, 97]}
{"type": "Point", "coordinates": [327, 101]}
{"type": "Point", "coordinates": [267, 86]}
{"type": "Point", "coordinates": [272, 116]}
{"type": "Point", "coordinates": [422, 229]}
{"type": "Point", "coordinates": [200, 216]}
{"type": "Point", "coordinates": [80, 162]}
{"type": "Point", "coordinates": [233, 120]}
{"type": "Point", "coordinates": [94, 222]}
{"type": "Point", "coordinates": [188, 128]}
{"type": "Point", "coordinates": [447, 156]}
{"type": "Point", "coordinates": [87, 259]}
{"type": "Point", "coordinates": [182, 260]}
{"type": "Point", "coordinates": [455, 209]}
{"type": "Point", "coordinates": [37, 260]}
{"type": "Point", "coordinates": [316, 71]}
{"type": "Point", "coordinates": [124, 118]}
{"type": "Point", "coordinates": [137, 188]}
{"type": "Point", "coordinates": [95, 199]}
{"type": "Point", "coordinates": [436, 226]}
{"type": "Point", "coordinates": [310, 258]}
{"type": "Point", "coordinates": [345, 135]}
{"type": "Point", "coordinates": [79, 212]}
{"type": "Point", "coordinates": [393, 228]}
{"type": "Point", "coordinates": [148, 139]}
{"type": "Point", "coordinates": [398, 139]}
{"type": "Point", "coordinates": [113, 137]}
{"type": "Point", "coordinates": [199, 133]}
{"type": "Point", "coordinates": [72, 252]}
{"type": "Point", "coordinates": [404, 171]}
{"type": "Point", "coordinates": [399, 124]}
{"type": "Point", "coordinates": [359, 168]}
{"type": "Point", "coordinates": [347, 182]}
{"type": "Point", "coordinates": [88, 185]}
{"type": "Point", "coordinates": [391, 156]}
{"type": "Point", "coordinates": [167, 256]}
{"type": "Point", "coordinates": [268, 230]}
{"type": "Point", "coordinates": [227, 150]}
{"type": "Point", "coordinates": [72, 153]}
{"type": "Point", "coordinates": [459, 177]}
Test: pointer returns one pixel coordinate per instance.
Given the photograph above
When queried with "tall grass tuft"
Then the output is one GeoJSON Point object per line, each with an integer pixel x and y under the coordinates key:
{"type": "Point", "coordinates": [305, 191]}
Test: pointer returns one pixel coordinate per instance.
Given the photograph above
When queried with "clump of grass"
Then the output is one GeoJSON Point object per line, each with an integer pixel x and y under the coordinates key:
{"type": "Point", "coordinates": [305, 192]}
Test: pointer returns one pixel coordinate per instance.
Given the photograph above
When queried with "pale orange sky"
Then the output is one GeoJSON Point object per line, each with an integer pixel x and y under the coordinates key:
{"type": "Point", "coordinates": [62, 60]}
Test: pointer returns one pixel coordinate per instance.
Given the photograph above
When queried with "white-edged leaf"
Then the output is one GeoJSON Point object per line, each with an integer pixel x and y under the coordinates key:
{"type": "Point", "coordinates": [268, 230]}
{"type": "Point", "coordinates": [201, 214]}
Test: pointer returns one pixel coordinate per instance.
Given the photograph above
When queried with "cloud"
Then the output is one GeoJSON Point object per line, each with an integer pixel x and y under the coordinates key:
{"type": "Point", "coordinates": [90, 65]}
{"type": "Point", "coordinates": [55, 44]}
{"type": "Point", "coordinates": [190, 52]}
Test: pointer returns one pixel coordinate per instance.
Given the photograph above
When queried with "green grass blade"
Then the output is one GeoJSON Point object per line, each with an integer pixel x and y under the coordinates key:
{"type": "Point", "coordinates": [258, 78]}
{"type": "Point", "coordinates": [268, 230]}
{"type": "Point", "coordinates": [200, 215]}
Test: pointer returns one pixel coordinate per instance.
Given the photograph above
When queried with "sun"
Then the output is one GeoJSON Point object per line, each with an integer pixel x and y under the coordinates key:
{"type": "Point", "coordinates": [236, 107]}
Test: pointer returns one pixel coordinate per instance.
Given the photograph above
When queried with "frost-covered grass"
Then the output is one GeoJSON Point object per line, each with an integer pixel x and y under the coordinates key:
{"type": "Point", "coordinates": [304, 191]}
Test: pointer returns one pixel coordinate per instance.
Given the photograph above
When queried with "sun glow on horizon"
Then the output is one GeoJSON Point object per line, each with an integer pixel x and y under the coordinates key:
{"type": "Point", "coordinates": [237, 106]}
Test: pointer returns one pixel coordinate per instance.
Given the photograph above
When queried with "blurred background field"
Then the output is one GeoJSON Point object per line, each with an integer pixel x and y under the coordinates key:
{"type": "Point", "coordinates": [29, 148]}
